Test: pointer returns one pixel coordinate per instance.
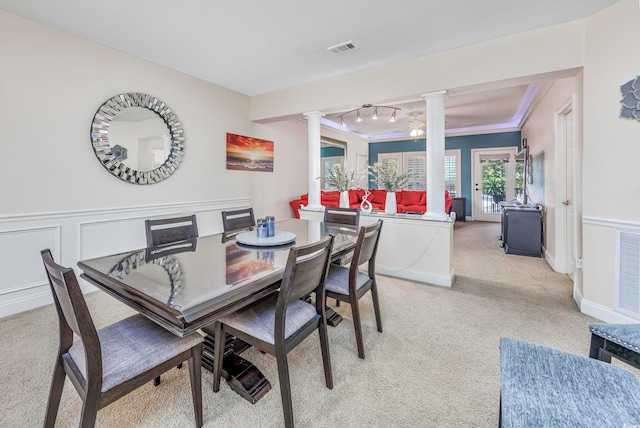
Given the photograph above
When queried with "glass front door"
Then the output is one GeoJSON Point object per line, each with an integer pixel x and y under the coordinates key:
{"type": "Point", "coordinates": [494, 181]}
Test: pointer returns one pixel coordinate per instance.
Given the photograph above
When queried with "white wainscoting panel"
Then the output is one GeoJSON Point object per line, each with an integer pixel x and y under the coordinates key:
{"type": "Point", "coordinates": [626, 272]}
{"type": "Point", "coordinates": [77, 235]}
{"type": "Point", "coordinates": [22, 267]}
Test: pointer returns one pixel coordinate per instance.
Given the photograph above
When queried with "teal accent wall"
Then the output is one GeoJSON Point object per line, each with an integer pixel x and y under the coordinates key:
{"type": "Point", "coordinates": [464, 143]}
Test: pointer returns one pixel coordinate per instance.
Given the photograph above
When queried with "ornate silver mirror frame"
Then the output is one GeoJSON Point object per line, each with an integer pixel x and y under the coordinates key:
{"type": "Point", "coordinates": [111, 157]}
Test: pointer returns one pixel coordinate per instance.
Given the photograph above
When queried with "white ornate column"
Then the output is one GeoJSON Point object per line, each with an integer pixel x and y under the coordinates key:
{"type": "Point", "coordinates": [435, 155]}
{"type": "Point", "coordinates": [313, 177]}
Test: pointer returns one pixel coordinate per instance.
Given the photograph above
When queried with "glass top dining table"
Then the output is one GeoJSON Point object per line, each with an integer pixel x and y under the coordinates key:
{"type": "Point", "coordinates": [189, 284]}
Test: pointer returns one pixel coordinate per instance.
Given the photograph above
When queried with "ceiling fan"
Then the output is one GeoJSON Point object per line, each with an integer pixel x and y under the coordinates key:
{"type": "Point", "coordinates": [416, 126]}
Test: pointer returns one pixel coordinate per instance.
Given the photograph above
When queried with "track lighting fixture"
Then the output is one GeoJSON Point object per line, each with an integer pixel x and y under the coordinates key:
{"type": "Point", "coordinates": [392, 118]}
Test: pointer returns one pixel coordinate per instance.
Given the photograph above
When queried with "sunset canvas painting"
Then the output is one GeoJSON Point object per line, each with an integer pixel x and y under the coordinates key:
{"type": "Point", "coordinates": [249, 154]}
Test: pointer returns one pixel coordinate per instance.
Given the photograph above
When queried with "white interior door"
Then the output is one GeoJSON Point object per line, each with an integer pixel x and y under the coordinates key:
{"type": "Point", "coordinates": [493, 181]}
{"type": "Point", "coordinates": [569, 194]}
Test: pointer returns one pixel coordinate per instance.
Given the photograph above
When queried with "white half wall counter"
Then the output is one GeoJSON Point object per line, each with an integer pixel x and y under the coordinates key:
{"type": "Point", "coordinates": [410, 247]}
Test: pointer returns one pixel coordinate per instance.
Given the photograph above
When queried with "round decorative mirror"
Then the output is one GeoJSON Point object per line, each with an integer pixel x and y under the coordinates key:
{"type": "Point", "coordinates": [137, 138]}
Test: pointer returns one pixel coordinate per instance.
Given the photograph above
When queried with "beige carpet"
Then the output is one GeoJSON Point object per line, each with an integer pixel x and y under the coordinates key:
{"type": "Point", "coordinates": [435, 365]}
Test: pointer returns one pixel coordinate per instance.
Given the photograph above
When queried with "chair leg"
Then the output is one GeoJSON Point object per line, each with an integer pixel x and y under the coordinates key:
{"type": "Point", "coordinates": [57, 384]}
{"type": "Point", "coordinates": [90, 407]}
{"type": "Point", "coordinates": [285, 386]}
{"type": "Point", "coordinates": [195, 375]}
{"type": "Point", "coordinates": [596, 350]}
{"type": "Point", "coordinates": [326, 358]}
{"type": "Point", "coordinates": [218, 355]}
{"type": "Point", "coordinates": [376, 306]}
{"type": "Point", "coordinates": [156, 381]}
{"type": "Point", "coordinates": [357, 326]}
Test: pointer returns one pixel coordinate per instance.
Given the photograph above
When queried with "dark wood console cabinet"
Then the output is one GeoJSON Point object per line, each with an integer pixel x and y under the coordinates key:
{"type": "Point", "coordinates": [459, 206]}
{"type": "Point", "coordinates": [522, 230]}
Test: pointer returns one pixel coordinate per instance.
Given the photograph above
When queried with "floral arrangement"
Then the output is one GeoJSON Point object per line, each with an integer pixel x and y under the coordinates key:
{"type": "Point", "coordinates": [342, 178]}
{"type": "Point", "coordinates": [387, 177]}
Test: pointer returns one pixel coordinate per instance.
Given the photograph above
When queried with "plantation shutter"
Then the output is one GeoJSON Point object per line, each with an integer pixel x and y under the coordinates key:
{"type": "Point", "coordinates": [415, 163]}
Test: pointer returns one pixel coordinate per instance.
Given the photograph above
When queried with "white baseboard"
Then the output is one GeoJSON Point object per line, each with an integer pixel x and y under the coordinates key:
{"type": "Point", "coordinates": [551, 261]}
{"type": "Point", "coordinates": [600, 312]}
{"type": "Point", "coordinates": [40, 296]}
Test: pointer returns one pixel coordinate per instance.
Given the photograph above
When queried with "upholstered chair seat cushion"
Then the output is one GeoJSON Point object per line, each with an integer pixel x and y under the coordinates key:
{"type": "Point", "coordinates": [627, 335]}
{"type": "Point", "coordinates": [258, 320]}
{"type": "Point", "coordinates": [546, 387]}
{"type": "Point", "coordinates": [131, 347]}
{"type": "Point", "coordinates": [338, 279]}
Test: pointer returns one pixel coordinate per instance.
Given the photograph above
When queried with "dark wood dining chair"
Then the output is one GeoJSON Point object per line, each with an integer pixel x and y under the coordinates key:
{"type": "Point", "coordinates": [169, 230]}
{"type": "Point", "coordinates": [107, 364]}
{"type": "Point", "coordinates": [349, 216]}
{"type": "Point", "coordinates": [236, 221]}
{"type": "Point", "coordinates": [279, 322]}
{"type": "Point", "coordinates": [166, 231]}
{"type": "Point", "coordinates": [349, 284]}
{"type": "Point", "coordinates": [346, 216]}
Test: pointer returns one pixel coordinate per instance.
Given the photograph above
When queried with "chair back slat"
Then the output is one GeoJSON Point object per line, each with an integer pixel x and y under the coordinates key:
{"type": "Point", "coordinates": [159, 251]}
{"type": "Point", "coordinates": [238, 219]}
{"type": "Point", "coordinates": [306, 270]}
{"type": "Point", "coordinates": [367, 244]}
{"type": "Point", "coordinates": [350, 216]}
{"type": "Point", "coordinates": [168, 230]}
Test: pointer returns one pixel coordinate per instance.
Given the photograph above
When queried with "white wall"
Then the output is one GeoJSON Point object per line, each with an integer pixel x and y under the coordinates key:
{"type": "Point", "coordinates": [539, 130]}
{"type": "Point", "coordinates": [271, 192]}
{"type": "Point", "coordinates": [611, 149]}
{"type": "Point", "coordinates": [52, 84]}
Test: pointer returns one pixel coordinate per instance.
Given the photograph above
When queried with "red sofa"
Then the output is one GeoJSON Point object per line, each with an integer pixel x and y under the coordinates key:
{"type": "Point", "coordinates": [406, 200]}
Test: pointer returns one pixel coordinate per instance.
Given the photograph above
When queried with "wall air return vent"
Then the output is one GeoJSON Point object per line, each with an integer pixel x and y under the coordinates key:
{"type": "Point", "coordinates": [343, 48]}
{"type": "Point", "coordinates": [627, 272]}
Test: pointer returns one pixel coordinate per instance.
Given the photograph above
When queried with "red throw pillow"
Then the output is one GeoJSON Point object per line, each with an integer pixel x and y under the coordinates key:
{"type": "Point", "coordinates": [359, 194]}
{"type": "Point", "coordinates": [423, 198]}
{"type": "Point", "coordinates": [353, 197]}
{"type": "Point", "coordinates": [333, 196]}
{"type": "Point", "coordinates": [410, 197]}
{"type": "Point", "coordinates": [380, 195]}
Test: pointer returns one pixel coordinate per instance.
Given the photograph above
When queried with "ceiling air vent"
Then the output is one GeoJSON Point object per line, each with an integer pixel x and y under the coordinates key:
{"type": "Point", "coordinates": [343, 47]}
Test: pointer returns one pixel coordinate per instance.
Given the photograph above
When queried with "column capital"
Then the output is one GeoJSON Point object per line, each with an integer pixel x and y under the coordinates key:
{"type": "Point", "coordinates": [313, 113]}
{"type": "Point", "coordinates": [434, 94]}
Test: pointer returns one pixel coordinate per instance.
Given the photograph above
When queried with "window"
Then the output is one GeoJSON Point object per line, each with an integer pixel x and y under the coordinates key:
{"type": "Point", "coordinates": [416, 164]}
{"type": "Point", "coordinates": [327, 166]}
{"type": "Point", "coordinates": [331, 152]}
{"type": "Point", "coordinates": [452, 172]}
